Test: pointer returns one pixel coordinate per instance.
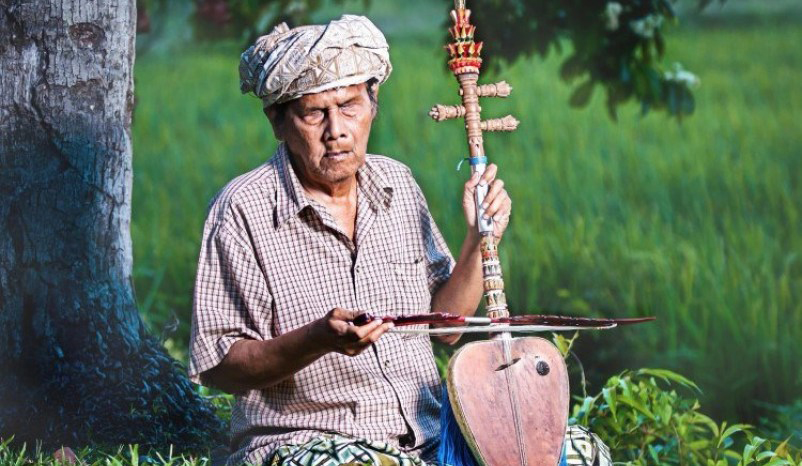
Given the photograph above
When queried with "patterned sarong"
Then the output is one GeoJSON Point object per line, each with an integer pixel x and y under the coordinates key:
{"type": "Point", "coordinates": [581, 448]}
{"type": "Point", "coordinates": [335, 450]}
{"type": "Point", "coordinates": [584, 448]}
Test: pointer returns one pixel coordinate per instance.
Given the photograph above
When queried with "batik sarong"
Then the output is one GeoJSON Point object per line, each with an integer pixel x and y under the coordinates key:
{"type": "Point", "coordinates": [581, 448]}
{"type": "Point", "coordinates": [335, 450]}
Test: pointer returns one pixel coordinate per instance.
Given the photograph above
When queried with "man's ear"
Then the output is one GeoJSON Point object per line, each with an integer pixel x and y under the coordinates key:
{"type": "Point", "coordinates": [374, 104]}
{"type": "Point", "coordinates": [271, 113]}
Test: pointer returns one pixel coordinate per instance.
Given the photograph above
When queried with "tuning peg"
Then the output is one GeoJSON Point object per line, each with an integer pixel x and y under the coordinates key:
{"type": "Point", "coordinates": [446, 112]}
{"type": "Point", "coordinates": [508, 123]}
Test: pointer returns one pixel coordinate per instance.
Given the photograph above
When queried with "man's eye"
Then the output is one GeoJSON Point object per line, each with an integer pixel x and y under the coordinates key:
{"type": "Point", "coordinates": [349, 109]}
{"type": "Point", "coordinates": [313, 116]}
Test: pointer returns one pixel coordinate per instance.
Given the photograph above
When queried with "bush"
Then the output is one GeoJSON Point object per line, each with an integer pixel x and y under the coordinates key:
{"type": "Point", "coordinates": [644, 420]}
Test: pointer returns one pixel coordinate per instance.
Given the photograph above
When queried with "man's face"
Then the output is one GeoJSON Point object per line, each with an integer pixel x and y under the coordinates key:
{"type": "Point", "coordinates": [327, 133]}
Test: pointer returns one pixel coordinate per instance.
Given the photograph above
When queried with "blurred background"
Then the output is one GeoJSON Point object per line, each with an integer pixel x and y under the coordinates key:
{"type": "Point", "coordinates": [694, 221]}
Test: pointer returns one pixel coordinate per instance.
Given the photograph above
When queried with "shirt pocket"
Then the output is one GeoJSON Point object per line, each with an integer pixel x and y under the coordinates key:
{"type": "Point", "coordinates": [411, 285]}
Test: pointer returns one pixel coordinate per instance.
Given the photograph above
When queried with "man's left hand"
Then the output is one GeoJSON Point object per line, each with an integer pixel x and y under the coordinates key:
{"type": "Point", "coordinates": [498, 204]}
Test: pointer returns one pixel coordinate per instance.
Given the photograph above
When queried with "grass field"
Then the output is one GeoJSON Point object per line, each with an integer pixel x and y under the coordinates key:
{"type": "Point", "coordinates": [697, 223]}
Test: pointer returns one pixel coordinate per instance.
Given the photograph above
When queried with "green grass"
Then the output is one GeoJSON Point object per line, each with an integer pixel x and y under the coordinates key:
{"type": "Point", "coordinates": [698, 223]}
{"type": "Point", "coordinates": [124, 455]}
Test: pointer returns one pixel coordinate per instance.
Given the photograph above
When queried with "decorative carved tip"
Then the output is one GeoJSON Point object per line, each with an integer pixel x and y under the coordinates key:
{"type": "Point", "coordinates": [508, 123]}
{"type": "Point", "coordinates": [446, 112]}
{"type": "Point", "coordinates": [464, 51]}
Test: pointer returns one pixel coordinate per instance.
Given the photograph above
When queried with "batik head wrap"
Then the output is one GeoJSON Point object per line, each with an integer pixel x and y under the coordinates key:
{"type": "Point", "coordinates": [289, 63]}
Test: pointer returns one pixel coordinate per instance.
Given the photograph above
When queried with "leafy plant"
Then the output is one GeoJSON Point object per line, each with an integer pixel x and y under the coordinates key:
{"type": "Point", "coordinates": [617, 45]}
{"type": "Point", "coordinates": [222, 402]}
{"type": "Point", "coordinates": [644, 420]}
{"type": "Point", "coordinates": [783, 420]}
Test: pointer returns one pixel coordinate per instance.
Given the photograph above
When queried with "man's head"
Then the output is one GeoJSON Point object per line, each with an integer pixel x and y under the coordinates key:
{"type": "Point", "coordinates": [318, 85]}
{"type": "Point", "coordinates": [327, 132]}
{"type": "Point", "coordinates": [289, 63]}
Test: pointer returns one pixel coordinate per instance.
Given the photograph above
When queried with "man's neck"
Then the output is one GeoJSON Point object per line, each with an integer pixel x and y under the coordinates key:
{"type": "Point", "coordinates": [340, 200]}
{"type": "Point", "coordinates": [338, 194]}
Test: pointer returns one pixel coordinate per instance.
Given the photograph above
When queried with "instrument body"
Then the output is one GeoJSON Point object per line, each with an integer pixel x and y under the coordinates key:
{"type": "Point", "coordinates": [511, 399]}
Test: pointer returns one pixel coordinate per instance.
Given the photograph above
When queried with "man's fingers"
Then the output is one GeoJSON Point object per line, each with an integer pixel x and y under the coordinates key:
{"type": "Point", "coordinates": [470, 185]}
{"type": "Point", "coordinates": [357, 347]}
{"type": "Point", "coordinates": [374, 336]}
{"type": "Point", "coordinates": [343, 314]}
{"type": "Point", "coordinates": [489, 175]}
{"type": "Point", "coordinates": [351, 339]}
{"type": "Point", "coordinates": [359, 333]}
{"type": "Point", "coordinates": [498, 205]}
{"type": "Point", "coordinates": [496, 187]}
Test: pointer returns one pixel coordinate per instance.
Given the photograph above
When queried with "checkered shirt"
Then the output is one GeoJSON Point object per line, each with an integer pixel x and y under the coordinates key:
{"type": "Point", "coordinates": [273, 260]}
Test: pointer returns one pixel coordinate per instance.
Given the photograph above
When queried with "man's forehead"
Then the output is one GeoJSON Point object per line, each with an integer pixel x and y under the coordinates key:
{"type": "Point", "coordinates": [331, 96]}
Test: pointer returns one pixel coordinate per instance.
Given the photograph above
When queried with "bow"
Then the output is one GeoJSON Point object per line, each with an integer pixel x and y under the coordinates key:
{"type": "Point", "coordinates": [519, 324]}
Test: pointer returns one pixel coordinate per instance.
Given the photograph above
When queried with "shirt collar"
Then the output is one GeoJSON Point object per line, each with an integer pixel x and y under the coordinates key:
{"type": "Point", "coordinates": [372, 182]}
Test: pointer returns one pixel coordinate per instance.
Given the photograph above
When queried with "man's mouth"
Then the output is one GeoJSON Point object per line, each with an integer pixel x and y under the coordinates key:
{"type": "Point", "coordinates": [337, 154]}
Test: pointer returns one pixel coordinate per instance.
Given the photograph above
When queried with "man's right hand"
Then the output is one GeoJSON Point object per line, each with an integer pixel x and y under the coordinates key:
{"type": "Point", "coordinates": [337, 332]}
{"type": "Point", "coordinates": [258, 364]}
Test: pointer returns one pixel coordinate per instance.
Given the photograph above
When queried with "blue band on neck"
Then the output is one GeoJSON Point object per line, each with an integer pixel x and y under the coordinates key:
{"type": "Point", "coordinates": [481, 160]}
{"type": "Point", "coordinates": [473, 161]}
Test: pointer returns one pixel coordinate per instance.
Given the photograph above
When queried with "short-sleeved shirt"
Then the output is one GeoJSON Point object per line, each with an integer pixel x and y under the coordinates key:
{"type": "Point", "coordinates": [273, 260]}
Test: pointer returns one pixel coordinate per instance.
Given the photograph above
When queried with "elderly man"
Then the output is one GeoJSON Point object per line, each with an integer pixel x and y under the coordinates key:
{"type": "Point", "coordinates": [294, 250]}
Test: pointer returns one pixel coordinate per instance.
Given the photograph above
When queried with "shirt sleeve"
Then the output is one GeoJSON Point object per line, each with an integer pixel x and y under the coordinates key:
{"type": "Point", "coordinates": [231, 300]}
{"type": "Point", "coordinates": [439, 262]}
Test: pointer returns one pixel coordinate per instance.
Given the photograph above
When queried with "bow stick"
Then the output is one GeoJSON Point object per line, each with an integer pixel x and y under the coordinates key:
{"type": "Point", "coordinates": [444, 317]}
{"type": "Point", "coordinates": [524, 323]}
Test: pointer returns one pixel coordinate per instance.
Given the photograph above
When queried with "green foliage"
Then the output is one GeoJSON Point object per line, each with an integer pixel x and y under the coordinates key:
{"type": "Point", "coordinates": [783, 420]}
{"type": "Point", "coordinates": [644, 420]}
{"type": "Point", "coordinates": [222, 402]}
{"type": "Point", "coordinates": [616, 45]}
{"type": "Point", "coordinates": [124, 455]}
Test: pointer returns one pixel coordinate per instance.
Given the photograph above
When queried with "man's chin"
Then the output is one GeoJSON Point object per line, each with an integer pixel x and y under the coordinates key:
{"type": "Point", "coordinates": [337, 177]}
{"type": "Point", "coordinates": [343, 170]}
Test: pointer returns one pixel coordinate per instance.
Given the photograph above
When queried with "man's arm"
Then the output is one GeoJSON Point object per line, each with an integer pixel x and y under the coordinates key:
{"type": "Point", "coordinates": [461, 293]}
{"type": "Point", "coordinates": [257, 364]}
{"type": "Point", "coordinates": [463, 290]}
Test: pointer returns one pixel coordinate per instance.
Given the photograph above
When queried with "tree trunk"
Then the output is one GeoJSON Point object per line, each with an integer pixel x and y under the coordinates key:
{"type": "Point", "coordinates": [77, 365]}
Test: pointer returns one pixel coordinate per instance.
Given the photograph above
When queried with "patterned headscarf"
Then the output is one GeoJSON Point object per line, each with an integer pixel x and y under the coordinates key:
{"type": "Point", "coordinates": [289, 63]}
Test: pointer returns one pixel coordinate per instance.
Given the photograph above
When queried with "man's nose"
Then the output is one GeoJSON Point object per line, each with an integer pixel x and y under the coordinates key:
{"type": "Point", "coordinates": [335, 129]}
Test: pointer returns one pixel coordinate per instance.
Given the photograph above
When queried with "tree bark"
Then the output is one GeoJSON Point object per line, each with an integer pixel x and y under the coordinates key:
{"type": "Point", "coordinates": [77, 364]}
